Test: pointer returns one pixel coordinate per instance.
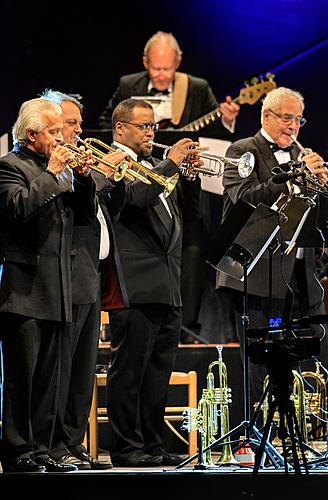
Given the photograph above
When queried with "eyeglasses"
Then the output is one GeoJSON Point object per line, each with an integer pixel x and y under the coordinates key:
{"type": "Point", "coordinates": [145, 126]}
{"type": "Point", "coordinates": [286, 118]}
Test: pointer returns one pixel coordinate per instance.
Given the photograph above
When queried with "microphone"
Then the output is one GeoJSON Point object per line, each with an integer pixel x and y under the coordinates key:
{"type": "Point", "coordinates": [284, 177]}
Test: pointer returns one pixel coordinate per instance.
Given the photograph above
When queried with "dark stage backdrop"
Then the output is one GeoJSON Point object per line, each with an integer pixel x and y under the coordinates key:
{"type": "Point", "coordinates": [84, 50]}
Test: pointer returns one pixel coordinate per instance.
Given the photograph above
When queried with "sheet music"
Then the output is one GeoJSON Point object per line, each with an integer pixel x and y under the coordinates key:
{"type": "Point", "coordinates": [213, 184]}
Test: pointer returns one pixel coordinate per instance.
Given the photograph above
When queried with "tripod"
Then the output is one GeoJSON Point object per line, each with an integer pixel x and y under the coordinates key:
{"type": "Point", "coordinates": [280, 383]}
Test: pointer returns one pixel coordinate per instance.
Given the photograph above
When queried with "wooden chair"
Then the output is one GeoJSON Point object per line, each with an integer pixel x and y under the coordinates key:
{"type": "Point", "coordinates": [172, 413]}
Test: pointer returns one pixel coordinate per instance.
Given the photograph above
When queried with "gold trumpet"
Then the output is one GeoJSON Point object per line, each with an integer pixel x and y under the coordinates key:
{"type": "Point", "coordinates": [309, 405]}
{"type": "Point", "coordinates": [245, 163]}
{"type": "Point", "coordinates": [316, 399]}
{"type": "Point", "coordinates": [121, 170]}
{"type": "Point", "coordinates": [169, 183]}
{"type": "Point", "coordinates": [211, 417]}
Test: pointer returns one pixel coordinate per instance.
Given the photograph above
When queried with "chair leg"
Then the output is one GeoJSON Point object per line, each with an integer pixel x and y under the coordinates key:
{"type": "Point", "coordinates": [93, 423]}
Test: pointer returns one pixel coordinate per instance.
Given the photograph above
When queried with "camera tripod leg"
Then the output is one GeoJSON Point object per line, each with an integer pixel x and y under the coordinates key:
{"type": "Point", "coordinates": [260, 451]}
{"type": "Point", "coordinates": [293, 419]}
{"type": "Point", "coordinates": [288, 416]}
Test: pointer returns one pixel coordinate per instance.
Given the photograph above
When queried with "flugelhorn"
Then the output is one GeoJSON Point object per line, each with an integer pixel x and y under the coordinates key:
{"type": "Point", "coordinates": [121, 170]}
{"type": "Point", "coordinates": [245, 163]}
{"type": "Point", "coordinates": [169, 183]}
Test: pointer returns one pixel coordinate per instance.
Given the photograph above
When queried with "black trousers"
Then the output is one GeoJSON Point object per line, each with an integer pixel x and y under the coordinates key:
{"type": "Point", "coordinates": [31, 357]}
{"type": "Point", "coordinates": [144, 343]}
{"type": "Point", "coordinates": [78, 365]}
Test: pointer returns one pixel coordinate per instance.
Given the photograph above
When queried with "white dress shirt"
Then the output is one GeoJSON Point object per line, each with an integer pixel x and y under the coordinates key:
{"type": "Point", "coordinates": [104, 235]}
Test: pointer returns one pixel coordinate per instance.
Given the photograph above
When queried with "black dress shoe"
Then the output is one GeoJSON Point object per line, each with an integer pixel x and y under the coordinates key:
{"type": "Point", "coordinates": [23, 465]}
{"type": "Point", "coordinates": [136, 458]}
{"type": "Point", "coordinates": [172, 458]}
{"type": "Point", "coordinates": [52, 466]}
{"type": "Point", "coordinates": [93, 462]}
{"type": "Point", "coordinates": [70, 459]}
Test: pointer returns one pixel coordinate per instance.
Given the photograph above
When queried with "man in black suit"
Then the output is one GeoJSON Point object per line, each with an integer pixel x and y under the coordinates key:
{"type": "Point", "coordinates": [295, 289]}
{"type": "Point", "coordinates": [38, 212]}
{"type": "Point", "coordinates": [145, 336]}
{"type": "Point", "coordinates": [92, 244]}
{"type": "Point", "coordinates": [183, 99]}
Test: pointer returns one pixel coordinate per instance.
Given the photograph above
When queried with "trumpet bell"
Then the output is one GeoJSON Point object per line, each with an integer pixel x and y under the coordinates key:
{"type": "Point", "coordinates": [246, 165]}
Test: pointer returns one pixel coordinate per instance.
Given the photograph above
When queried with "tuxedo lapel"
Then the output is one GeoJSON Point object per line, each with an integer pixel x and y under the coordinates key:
{"type": "Point", "coordinates": [164, 216]}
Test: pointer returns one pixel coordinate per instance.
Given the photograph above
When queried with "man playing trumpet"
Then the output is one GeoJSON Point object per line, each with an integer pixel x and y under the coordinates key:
{"type": "Point", "coordinates": [145, 335]}
{"type": "Point", "coordinates": [92, 244]}
{"type": "Point", "coordinates": [295, 289]}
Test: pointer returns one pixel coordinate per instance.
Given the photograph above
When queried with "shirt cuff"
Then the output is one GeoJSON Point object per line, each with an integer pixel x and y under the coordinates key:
{"type": "Point", "coordinates": [230, 127]}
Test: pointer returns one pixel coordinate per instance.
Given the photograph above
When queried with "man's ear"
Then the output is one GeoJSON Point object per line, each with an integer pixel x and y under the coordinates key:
{"type": "Point", "coordinates": [119, 128]}
{"type": "Point", "coordinates": [31, 135]}
{"type": "Point", "coordinates": [145, 62]}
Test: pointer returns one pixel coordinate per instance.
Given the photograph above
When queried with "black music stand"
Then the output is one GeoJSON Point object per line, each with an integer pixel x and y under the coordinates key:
{"type": "Point", "coordinates": [239, 243]}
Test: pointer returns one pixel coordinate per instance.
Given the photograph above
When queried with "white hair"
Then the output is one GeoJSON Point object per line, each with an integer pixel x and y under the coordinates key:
{"type": "Point", "coordinates": [30, 117]}
{"type": "Point", "coordinates": [273, 99]}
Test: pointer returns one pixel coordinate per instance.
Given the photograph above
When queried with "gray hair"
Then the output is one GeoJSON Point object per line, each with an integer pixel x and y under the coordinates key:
{"type": "Point", "coordinates": [163, 38]}
{"type": "Point", "coordinates": [273, 99]}
{"type": "Point", "coordinates": [30, 117]}
{"type": "Point", "coordinates": [58, 97]}
{"type": "Point", "coordinates": [123, 111]}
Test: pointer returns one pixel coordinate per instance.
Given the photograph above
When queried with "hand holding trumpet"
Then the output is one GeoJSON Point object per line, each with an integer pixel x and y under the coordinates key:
{"type": "Point", "coordinates": [316, 165]}
{"type": "Point", "coordinates": [115, 158]}
{"type": "Point", "coordinates": [185, 151]}
{"type": "Point", "coordinates": [59, 159]}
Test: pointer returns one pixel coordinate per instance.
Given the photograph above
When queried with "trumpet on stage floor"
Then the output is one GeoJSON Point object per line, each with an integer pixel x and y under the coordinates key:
{"type": "Point", "coordinates": [215, 167]}
{"type": "Point", "coordinates": [169, 183]}
{"type": "Point", "coordinates": [211, 417]}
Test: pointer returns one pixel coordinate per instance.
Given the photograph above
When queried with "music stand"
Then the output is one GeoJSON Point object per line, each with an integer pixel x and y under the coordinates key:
{"type": "Point", "coordinates": [239, 243]}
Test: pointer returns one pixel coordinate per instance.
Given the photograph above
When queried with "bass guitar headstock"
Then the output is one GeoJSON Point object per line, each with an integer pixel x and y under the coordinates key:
{"type": "Point", "coordinates": [253, 91]}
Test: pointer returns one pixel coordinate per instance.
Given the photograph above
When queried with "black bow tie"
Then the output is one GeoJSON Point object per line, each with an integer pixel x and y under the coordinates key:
{"type": "Point", "coordinates": [155, 91]}
{"type": "Point", "coordinates": [147, 158]}
{"type": "Point", "coordinates": [274, 147]}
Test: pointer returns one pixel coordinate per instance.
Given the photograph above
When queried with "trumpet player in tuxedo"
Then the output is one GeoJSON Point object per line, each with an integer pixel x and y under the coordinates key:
{"type": "Point", "coordinates": [296, 290]}
{"type": "Point", "coordinates": [145, 335]}
{"type": "Point", "coordinates": [38, 215]}
{"type": "Point", "coordinates": [93, 244]}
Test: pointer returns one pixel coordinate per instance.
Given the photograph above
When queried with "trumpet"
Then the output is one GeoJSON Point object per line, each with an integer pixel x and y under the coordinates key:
{"type": "Point", "coordinates": [314, 183]}
{"type": "Point", "coordinates": [169, 183]}
{"type": "Point", "coordinates": [211, 417]}
{"type": "Point", "coordinates": [245, 163]}
{"type": "Point", "coordinates": [121, 170]}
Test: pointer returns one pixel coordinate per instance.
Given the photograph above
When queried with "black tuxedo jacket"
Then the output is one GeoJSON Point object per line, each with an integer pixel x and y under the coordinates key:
{"type": "Point", "coordinates": [150, 242]}
{"type": "Point", "coordinates": [37, 218]}
{"type": "Point", "coordinates": [200, 100]}
{"type": "Point", "coordinates": [257, 188]}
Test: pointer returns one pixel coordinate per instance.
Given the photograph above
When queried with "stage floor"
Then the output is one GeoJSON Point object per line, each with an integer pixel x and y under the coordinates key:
{"type": "Point", "coordinates": [123, 483]}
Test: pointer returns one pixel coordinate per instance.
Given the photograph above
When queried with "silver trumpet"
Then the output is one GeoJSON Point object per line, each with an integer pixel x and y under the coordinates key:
{"type": "Point", "coordinates": [215, 165]}
{"type": "Point", "coordinates": [314, 184]}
